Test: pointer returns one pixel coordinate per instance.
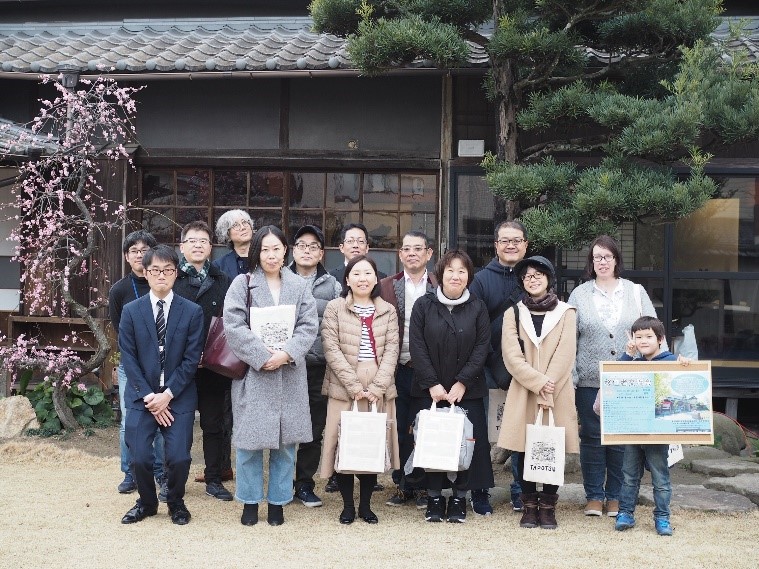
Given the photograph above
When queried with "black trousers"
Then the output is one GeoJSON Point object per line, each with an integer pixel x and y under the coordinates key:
{"type": "Point", "coordinates": [307, 461]}
{"type": "Point", "coordinates": [212, 389]}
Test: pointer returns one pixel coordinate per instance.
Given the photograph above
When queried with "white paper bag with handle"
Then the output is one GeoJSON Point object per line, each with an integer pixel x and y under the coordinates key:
{"type": "Point", "coordinates": [496, 404]}
{"type": "Point", "coordinates": [362, 445]}
{"type": "Point", "coordinates": [438, 439]}
{"type": "Point", "coordinates": [544, 451]}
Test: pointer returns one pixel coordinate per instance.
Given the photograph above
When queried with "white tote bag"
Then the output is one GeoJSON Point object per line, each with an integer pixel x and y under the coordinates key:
{"type": "Point", "coordinates": [362, 446]}
{"type": "Point", "coordinates": [544, 451]}
{"type": "Point", "coordinates": [438, 439]}
{"type": "Point", "coordinates": [496, 404]}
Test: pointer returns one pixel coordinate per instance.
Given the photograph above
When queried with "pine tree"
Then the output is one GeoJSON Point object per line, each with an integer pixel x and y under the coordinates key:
{"type": "Point", "coordinates": [637, 84]}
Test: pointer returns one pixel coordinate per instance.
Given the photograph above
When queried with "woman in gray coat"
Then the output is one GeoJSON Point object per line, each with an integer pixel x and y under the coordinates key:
{"type": "Point", "coordinates": [270, 404]}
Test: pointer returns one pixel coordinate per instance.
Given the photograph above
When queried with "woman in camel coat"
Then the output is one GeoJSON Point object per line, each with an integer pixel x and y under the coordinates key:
{"type": "Point", "coordinates": [361, 346]}
{"type": "Point", "coordinates": [540, 357]}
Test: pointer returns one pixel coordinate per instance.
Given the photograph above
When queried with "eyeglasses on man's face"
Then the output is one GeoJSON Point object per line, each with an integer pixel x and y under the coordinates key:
{"type": "Point", "coordinates": [351, 241]}
{"type": "Point", "coordinates": [240, 225]}
{"type": "Point", "coordinates": [166, 272]}
{"type": "Point", "coordinates": [516, 242]}
{"type": "Point", "coordinates": [313, 247]}
{"type": "Point", "coordinates": [536, 276]}
{"type": "Point", "coordinates": [417, 249]}
{"type": "Point", "coordinates": [138, 252]}
{"type": "Point", "coordinates": [197, 241]}
{"type": "Point", "coordinates": [599, 258]}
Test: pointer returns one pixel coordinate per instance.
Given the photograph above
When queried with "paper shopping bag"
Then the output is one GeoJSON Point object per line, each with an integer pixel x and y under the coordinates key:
{"type": "Point", "coordinates": [362, 443]}
{"type": "Point", "coordinates": [438, 439]}
{"type": "Point", "coordinates": [544, 451]}
{"type": "Point", "coordinates": [496, 403]}
{"type": "Point", "coordinates": [674, 455]}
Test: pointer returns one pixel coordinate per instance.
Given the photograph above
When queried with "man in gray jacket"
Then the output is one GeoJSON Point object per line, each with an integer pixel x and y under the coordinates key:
{"type": "Point", "coordinates": [308, 251]}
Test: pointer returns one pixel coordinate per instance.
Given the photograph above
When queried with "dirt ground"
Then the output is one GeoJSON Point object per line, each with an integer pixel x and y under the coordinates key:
{"type": "Point", "coordinates": [59, 508]}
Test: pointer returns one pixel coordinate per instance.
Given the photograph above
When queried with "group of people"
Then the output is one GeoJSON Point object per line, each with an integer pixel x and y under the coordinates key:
{"type": "Point", "coordinates": [399, 342]}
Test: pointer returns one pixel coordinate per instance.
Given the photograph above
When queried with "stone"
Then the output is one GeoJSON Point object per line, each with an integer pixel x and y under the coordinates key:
{"type": "Point", "coordinates": [499, 455]}
{"type": "Point", "coordinates": [701, 452]}
{"type": "Point", "coordinates": [572, 464]}
{"type": "Point", "coordinates": [729, 467]}
{"type": "Point", "coordinates": [744, 484]}
{"type": "Point", "coordinates": [696, 497]}
{"type": "Point", "coordinates": [16, 416]}
{"type": "Point", "coordinates": [728, 435]}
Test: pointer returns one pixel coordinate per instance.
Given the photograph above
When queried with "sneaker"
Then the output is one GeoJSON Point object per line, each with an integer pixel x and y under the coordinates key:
{"type": "Point", "coordinates": [378, 487]}
{"type": "Point", "coordinates": [217, 490]}
{"type": "Point", "coordinates": [435, 509]}
{"type": "Point", "coordinates": [624, 521]}
{"type": "Point", "coordinates": [594, 508]}
{"type": "Point", "coordinates": [400, 497]}
{"type": "Point", "coordinates": [420, 497]}
{"type": "Point", "coordinates": [456, 510]}
{"type": "Point", "coordinates": [612, 508]}
{"type": "Point", "coordinates": [516, 503]}
{"type": "Point", "coordinates": [662, 525]}
{"type": "Point", "coordinates": [331, 485]}
{"type": "Point", "coordinates": [306, 495]}
{"type": "Point", "coordinates": [481, 502]}
{"type": "Point", "coordinates": [128, 485]}
{"type": "Point", "coordinates": [163, 492]}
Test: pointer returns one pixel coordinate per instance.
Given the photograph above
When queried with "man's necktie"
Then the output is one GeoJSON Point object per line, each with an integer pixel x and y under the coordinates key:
{"type": "Point", "coordinates": [160, 326]}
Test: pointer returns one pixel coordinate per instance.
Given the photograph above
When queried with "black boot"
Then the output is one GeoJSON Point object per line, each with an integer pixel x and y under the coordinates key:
{"type": "Point", "coordinates": [249, 515]}
{"type": "Point", "coordinates": [530, 514]}
{"type": "Point", "coordinates": [275, 516]}
{"type": "Point", "coordinates": [547, 510]}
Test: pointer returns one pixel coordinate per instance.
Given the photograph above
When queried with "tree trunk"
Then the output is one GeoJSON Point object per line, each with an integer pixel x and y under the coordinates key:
{"type": "Point", "coordinates": [65, 414]}
{"type": "Point", "coordinates": [506, 128]}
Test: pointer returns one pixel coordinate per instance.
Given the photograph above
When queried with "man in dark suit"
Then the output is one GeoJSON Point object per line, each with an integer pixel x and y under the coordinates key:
{"type": "Point", "coordinates": [161, 340]}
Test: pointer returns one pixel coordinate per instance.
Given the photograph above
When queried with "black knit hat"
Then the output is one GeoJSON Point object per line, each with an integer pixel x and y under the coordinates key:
{"type": "Point", "coordinates": [540, 263]}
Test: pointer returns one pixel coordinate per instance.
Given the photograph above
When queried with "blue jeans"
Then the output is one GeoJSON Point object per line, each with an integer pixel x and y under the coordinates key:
{"type": "Point", "coordinates": [515, 488]}
{"type": "Point", "coordinates": [632, 469]}
{"type": "Point", "coordinates": [250, 476]}
{"type": "Point", "coordinates": [158, 456]}
{"type": "Point", "coordinates": [601, 464]}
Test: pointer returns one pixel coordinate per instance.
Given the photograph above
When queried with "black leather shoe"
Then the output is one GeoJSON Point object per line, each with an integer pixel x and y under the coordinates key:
{"type": "Point", "coordinates": [249, 515]}
{"type": "Point", "coordinates": [137, 514]}
{"type": "Point", "coordinates": [217, 490]}
{"type": "Point", "coordinates": [369, 517]}
{"type": "Point", "coordinates": [348, 515]}
{"type": "Point", "coordinates": [180, 515]}
{"type": "Point", "coordinates": [275, 515]}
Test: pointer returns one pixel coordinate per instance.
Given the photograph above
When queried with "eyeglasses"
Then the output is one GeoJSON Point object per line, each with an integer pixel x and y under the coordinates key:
{"type": "Point", "coordinates": [240, 225]}
{"type": "Point", "coordinates": [167, 272]}
{"type": "Point", "coordinates": [194, 241]}
{"type": "Point", "coordinates": [352, 241]}
{"type": "Point", "coordinates": [417, 249]}
{"type": "Point", "coordinates": [599, 258]}
{"type": "Point", "coordinates": [537, 275]}
{"type": "Point", "coordinates": [313, 247]}
{"type": "Point", "coordinates": [517, 242]}
{"type": "Point", "coordinates": [137, 252]}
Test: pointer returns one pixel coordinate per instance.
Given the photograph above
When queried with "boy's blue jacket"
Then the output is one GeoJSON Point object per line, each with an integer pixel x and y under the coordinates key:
{"type": "Point", "coordinates": [664, 355]}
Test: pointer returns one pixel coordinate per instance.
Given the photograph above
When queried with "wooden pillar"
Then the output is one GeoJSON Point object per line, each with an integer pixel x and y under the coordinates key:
{"type": "Point", "coordinates": [446, 153]}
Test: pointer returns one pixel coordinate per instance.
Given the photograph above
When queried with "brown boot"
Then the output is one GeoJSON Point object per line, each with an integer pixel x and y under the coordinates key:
{"type": "Point", "coordinates": [530, 513]}
{"type": "Point", "coordinates": [547, 510]}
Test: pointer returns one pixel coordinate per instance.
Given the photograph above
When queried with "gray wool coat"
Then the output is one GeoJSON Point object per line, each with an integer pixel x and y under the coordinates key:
{"type": "Point", "coordinates": [270, 408]}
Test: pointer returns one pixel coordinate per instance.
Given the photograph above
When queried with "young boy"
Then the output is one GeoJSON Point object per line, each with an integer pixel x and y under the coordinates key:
{"type": "Point", "coordinates": [647, 336]}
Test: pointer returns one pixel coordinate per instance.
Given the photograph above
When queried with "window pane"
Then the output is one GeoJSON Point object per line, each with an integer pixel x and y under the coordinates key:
{"type": "Point", "coordinates": [231, 188]}
{"type": "Point", "coordinates": [383, 229]}
{"type": "Point", "coordinates": [267, 189]}
{"type": "Point", "coordinates": [333, 224]}
{"type": "Point", "coordinates": [263, 217]}
{"type": "Point", "coordinates": [157, 188]}
{"type": "Point", "coordinates": [342, 191]}
{"type": "Point", "coordinates": [193, 187]}
{"type": "Point", "coordinates": [474, 219]}
{"type": "Point", "coordinates": [724, 234]}
{"type": "Point", "coordinates": [724, 313]}
{"type": "Point", "coordinates": [159, 222]}
{"type": "Point", "coordinates": [381, 191]}
{"type": "Point", "coordinates": [424, 222]}
{"type": "Point", "coordinates": [649, 248]}
{"type": "Point", "coordinates": [300, 218]}
{"type": "Point", "coordinates": [307, 190]}
{"type": "Point", "coordinates": [420, 192]}
{"type": "Point", "coordinates": [186, 215]}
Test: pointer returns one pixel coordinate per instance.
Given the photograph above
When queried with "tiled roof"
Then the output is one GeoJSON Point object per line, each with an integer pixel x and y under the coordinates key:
{"type": "Point", "coordinates": [192, 45]}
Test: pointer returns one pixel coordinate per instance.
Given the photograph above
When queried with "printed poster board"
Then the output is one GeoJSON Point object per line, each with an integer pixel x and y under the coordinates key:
{"type": "Point", "coordinates": [656, 403]}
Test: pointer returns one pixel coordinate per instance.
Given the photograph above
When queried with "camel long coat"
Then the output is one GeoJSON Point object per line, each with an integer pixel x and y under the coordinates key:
{"type": "Point", "coordinates": [341, 338]}
{"type": "Point", "coordinates": [550, 356]}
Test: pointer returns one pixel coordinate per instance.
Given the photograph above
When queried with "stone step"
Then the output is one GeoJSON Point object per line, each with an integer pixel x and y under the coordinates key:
{"type": "Point", "coordinates": [744, 484]}
{"type": "Point", "coordinates": [696, 497]}
{"type": "Point", "coordinates": [728, 467]}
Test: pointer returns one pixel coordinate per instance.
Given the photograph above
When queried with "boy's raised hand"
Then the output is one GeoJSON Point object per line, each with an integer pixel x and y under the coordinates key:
{"type": "Point", "coordinates": [683, 360]}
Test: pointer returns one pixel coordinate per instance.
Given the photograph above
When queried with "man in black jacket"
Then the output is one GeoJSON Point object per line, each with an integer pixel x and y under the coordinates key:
{"type": "Point", "coordinates": [205, 284]}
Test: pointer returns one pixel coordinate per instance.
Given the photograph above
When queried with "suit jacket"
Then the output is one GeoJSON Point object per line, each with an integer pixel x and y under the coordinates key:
{"type": "Point", "coordinates": [393, 290]}
{"type": "Point", "coordinates": [138, 342]}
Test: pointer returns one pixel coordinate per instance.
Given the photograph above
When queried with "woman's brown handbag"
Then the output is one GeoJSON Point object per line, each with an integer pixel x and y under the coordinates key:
{"type": "Point", "coordinates": [217, 355]}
